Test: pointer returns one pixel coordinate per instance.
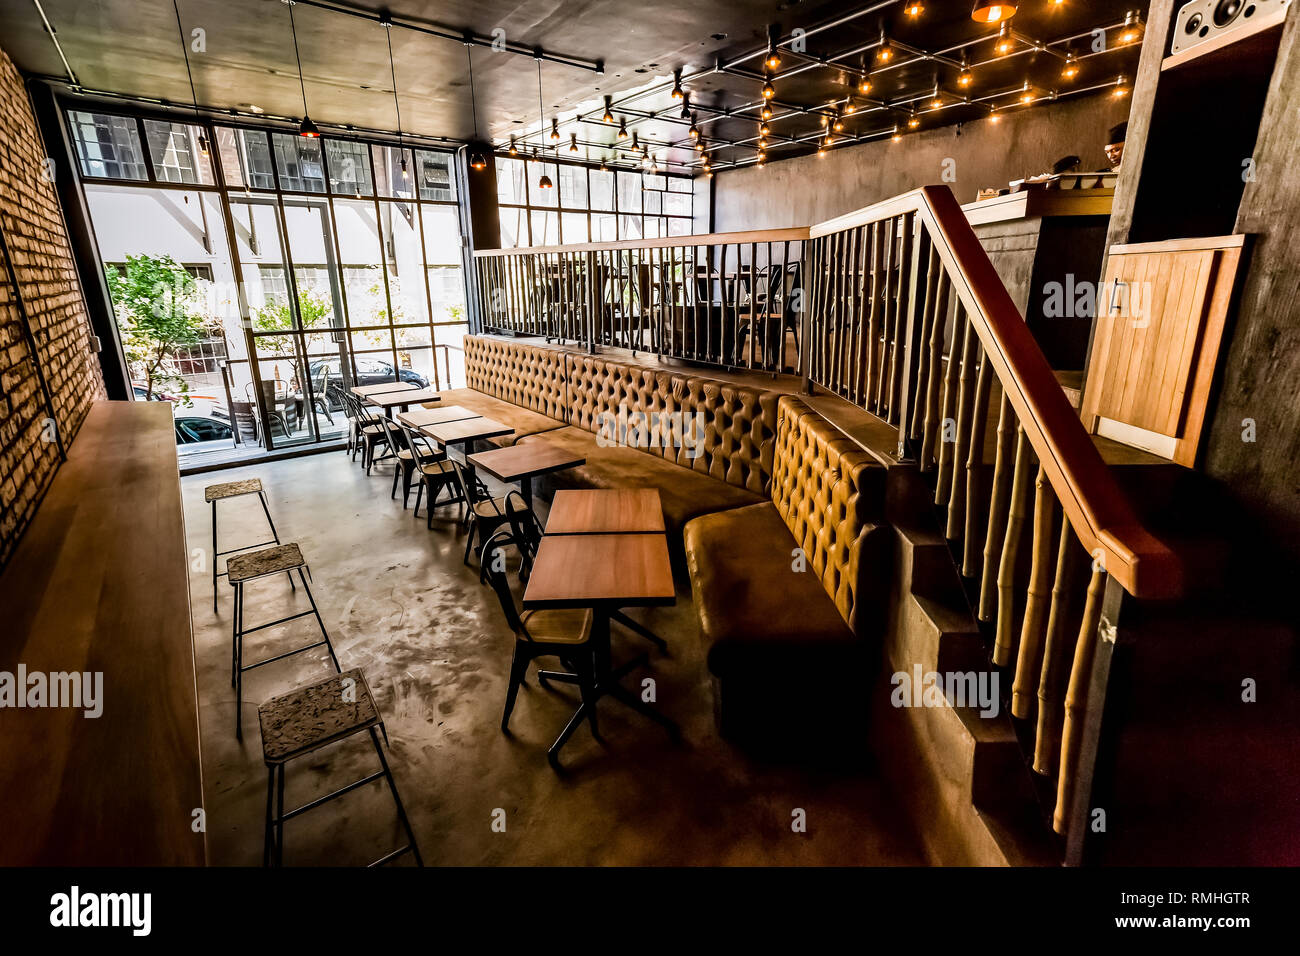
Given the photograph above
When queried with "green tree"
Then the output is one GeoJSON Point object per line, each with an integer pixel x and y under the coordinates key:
{"type": "Point", "coordinates": [314, 307]}
{"type": "Point", "coordinates": [156, 303]}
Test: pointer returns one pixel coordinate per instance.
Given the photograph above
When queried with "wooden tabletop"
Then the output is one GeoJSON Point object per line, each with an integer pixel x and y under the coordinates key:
{"type": "Point", "coordinates": [99, 584]}
{"type": "Point", "coordinates": [404, 397]}
{"type": "Point", "coordinates": [613, 570]}
{"type": "Point", "coordinates": [529, 460]}
{"type": "Point", "coordinates": [466, 430]}
{"type": "Point", "coordinates": [362, 391]}
{"type": "Point", "coordinates": [605, 511]}
{"type": "Point", "coordinates": [420, 417]}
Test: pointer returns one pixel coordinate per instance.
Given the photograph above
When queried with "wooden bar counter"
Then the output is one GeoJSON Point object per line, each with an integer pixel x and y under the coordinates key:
{"type": "Point", "coordinates": [99, 583]}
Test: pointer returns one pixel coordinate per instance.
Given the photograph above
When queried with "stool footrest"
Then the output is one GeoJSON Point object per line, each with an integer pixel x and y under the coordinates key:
{"type": "Point", "coordinates": [280, 657]}
{"type": "Point", "coordinates": [290, 814]}
{"type": "Point", "coordinates": [391, 856]}
{"type": "Point", "coordinates": [283, 620]}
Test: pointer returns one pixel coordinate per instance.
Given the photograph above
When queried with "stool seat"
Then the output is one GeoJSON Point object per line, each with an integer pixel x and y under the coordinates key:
{"type": "Point", "coordinates": [310, 717]}
{"type": "Point", "coordinates": [255, 564]}
{"type": "Point", "coordinates": [232, 489]}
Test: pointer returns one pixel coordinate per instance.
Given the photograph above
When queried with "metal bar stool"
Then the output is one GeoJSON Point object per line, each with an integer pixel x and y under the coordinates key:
{"type": "Point", "coordinates": [259, 564]}
{"type": "Point", "coordinates": [234, 489]}
{"type": "Point", "coordinates": [306, 720]}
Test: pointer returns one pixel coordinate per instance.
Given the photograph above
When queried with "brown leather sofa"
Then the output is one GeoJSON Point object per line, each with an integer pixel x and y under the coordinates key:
{"type": "Point", "coordinates": [791, 592]}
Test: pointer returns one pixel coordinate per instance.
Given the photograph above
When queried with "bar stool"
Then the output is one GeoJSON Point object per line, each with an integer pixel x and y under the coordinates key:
{"type": "Point", "coordinates": [243, 568]}
{"type": "Point", "coordinates": [305, 720]}
{"type": "Point", "coordinates": [234, 489]}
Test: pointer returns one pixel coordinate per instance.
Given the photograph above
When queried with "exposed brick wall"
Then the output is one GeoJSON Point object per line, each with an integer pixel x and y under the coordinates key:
{"type": "Point", "coordinates": [34, 232]}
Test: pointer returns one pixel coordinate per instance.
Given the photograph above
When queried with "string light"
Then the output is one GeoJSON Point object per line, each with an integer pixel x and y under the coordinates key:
{"type": "Point", "coordinates": [898, 135]}
{"type": "Point", "coordinates": [1071, 68]}
{"type": "Point", "coordinates": [885, 52]}
{"type": "Point", "coordinates": [769, 90]}
{"type": "Point", "coordinates": [773, 57]}
{"type": "Point", "coordinates": [1131, 32]}
{"type": "Point", "coordinates": [1121, 87]}
{"type": "Point", "coordinates": [1005, 41]}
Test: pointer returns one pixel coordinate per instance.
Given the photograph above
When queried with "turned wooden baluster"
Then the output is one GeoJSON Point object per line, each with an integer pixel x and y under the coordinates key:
{"type": "Point", "coordinates": [1028, 661]}
{"type": "Point", "coordinates": [961, 451]}
{"type": "Point", "coordinates": [887, 314]}
{"type": "Point", "coordinates": [1047, 740]}
{"type": "Point", "coordinates": [975, 465]}
{"type": "Point", "coordinates": [923, 347]}
{"type": "Point", "coordinates": [1076, 700]}
{"type": "Point", "coordinates": [947, 409]}
{"type": "Point", "coordinates": [934, 374]}
{"type": "Point", "coordinates": [999, 500]}
{"type": "Point", "coordinates": [1010, 550]}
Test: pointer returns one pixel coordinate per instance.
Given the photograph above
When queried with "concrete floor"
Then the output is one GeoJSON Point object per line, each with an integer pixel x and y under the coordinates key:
{"type": "Point", "coordinates": [433, 644]}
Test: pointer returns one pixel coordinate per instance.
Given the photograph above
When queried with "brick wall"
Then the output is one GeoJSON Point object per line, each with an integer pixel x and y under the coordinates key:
{"type": "Point", "coordinates": [33, 229]}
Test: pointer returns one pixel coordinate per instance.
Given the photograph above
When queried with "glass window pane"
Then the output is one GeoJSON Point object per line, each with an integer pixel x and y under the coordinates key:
{"type": "Point", "coordinates": [441, 235]}
{"type": "Point", "coordinates": [307, 229]}
{"type": "Point", "coordinates": [434, 175]}
{"type": "Point", "coordinates": [653, 201]}
{"type": "Point", "coordinates": [679, 227]}
{"type": "Point", "coordinates": [629, 227]}
{"type": "Point", "coordinates": [510, 181]}
{"type": "Point", "coordinates": [536, 194]}
{"type": "Point", "coordinates": [299, 161]}
{"type": "Point", "coordinates": [602, 190]}
{"type": "Point", "coordinates": [447, 290]}
{"type": "Point", "coordinates": [677, 204]}
{"type": "Point", "coordinates": [546, 229]}
{"type": "Point", "coordinates": [574, 227]}
{"type": "Point", "coordinates": [107, 146]}
{"type": "Point", "coordinates": [678, 184]}
{"type": "Point", "coordinates": [629, 192]}
{"type": "Point", "coordinates": [573, 187]}
{"type": "Point", "coordinates": [651, 181]}
{"type": "Point", "coordinates": [359, 251]}
{"type": "Point", "coordinates": [390, 176]}
{"type": "Point", "coordinates": [349, 165]}
{"type": "Point", "coordinates": [605, 228]}
{"type": "Point", "coordinates": [404, 261]}
{"type": "Point", "coordinates": [514, 227]}
{"type": "Point", "coordinates": [245, 158]}
{"type": "Point", "coordinates": [653, 227]}
{"type": "Point", "coordinates": [177, 152]}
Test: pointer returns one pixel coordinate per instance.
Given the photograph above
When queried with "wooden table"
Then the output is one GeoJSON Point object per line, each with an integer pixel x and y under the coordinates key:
{"type": "Point", "coordinates": [466, 430]}
{"type": "Point", "coordinates": [403, 399]}
{"type": "Point", "coordinates": [435, 416]}
{"type": "Point", "coordinates": [606, 511]}
{"type": "Point", "coordinates": [523, 463]}
{"type": "Point", "coordinates": [362, 391]}
{"type": "Point", "coordinates": [100, 584]}
{"type": "Point", "coordinates": [603, 572]}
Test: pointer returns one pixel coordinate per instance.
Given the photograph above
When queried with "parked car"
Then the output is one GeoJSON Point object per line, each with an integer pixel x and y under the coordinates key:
{"type": "Point", "coordinates": [141, 392]}
{"type": "Point", "coordinates": [369, 372]}
{"type": "Point", "coordinates": [193, 429]}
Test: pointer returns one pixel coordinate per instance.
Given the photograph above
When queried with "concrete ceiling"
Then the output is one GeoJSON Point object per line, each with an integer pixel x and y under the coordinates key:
{"type": "Point", "coordinates": [133, 47]}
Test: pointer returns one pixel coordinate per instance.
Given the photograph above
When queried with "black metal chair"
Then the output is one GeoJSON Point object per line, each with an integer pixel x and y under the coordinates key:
{"type": "Point", "coordinates": [525, 529]}
{"type": "Point", "coordinates": [484, 514]}
{"type": "Point", "coordinates": [435, 471]}
{"type": "Point", "coordinates": [371, 434]}
{"type": "Point", "coordinates": [564, 634]}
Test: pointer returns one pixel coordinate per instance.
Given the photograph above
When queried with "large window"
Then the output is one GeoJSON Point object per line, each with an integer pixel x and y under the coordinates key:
{"type": "Point", "coordinates": [586, 204]}
{"type": "Point", "coordinates": [322, 259]}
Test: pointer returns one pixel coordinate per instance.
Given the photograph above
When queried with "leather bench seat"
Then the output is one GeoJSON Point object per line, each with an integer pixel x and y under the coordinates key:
{"type": "Point", "coordinates": [757, 614]}
{"type": "Point", "coordinates": [685, 494]}
{"type": "Point", "coordinates": [523, 421]}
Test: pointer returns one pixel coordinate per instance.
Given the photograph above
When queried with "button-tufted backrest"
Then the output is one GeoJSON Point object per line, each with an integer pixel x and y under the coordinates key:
{"type": "Point", "coordinates": [526, 375]}
{"type": "Point", "coordinates": [829, 492]}
{"type": "Point", "coordinates": [739, 432]}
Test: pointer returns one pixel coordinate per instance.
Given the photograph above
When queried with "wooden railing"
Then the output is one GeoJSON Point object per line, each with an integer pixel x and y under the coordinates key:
{"type": "Point", "coordinates": [910, 320]}
{"type": "Point", "coordinates": [728, 299]}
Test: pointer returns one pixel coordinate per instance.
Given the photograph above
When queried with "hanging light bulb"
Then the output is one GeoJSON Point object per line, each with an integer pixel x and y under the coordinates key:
{"type": "Point", "coordinates": [545, 182]}
{"type": "Point", "coordinates": [992, 12]}
{"type": "Point", "coordinates": [850, 107]}
{"type": "Point", "coordinates": [1026, 93]}
{"type": "Point", "coordinates": [914, 8]}
{"type": "Point", "coordinates": [622, 128]}
{"type": "Point", "coordinates": [1131, 32]}
{"type": "Point", "coordinates": [773, 59]}
{"type": "Point", "coordinates": [635, 145]}
{"type": "Point", "coordinates": [1005, 41]}
{"type": "Point", "coordinates": [764, 129]}
{"type": "Point", "coordinates": [936, 98]}
{"type": "Point", "coordinates": [766, 111]}
{"type": "Point", "coordinates": [555, 130]}
{"type": "Point", "coordinates": [994, 115]}
{"type": "Point", "coordinates": [203, 143]}
{"type": "Point", "coordinates": [678, 93]}
{"type": "Point", "coordinates": [405, 173]}
{"type": "Point", "coordinates": [1071, 68]}
{"type": "Point", "coordinates": [514, 150]}
{"type": "Point", "coordinates": [308, 129]}
{"type": "Point", "coordinates": [694, 131]}
{"type": "Point", "coordinates": [821, 149]}
{"type": "Point", "coordinates": [825, 120]}
{"type": "Point", "coordinates": [604, 168]}
{"type": "Point", "coordinates": [769, 90]}
{"type": "Point", "coordinates": [699, 145]}
{"type": "Point", "coordinates": [884, 52]}
{"type": "Point", "coordinates": [573, 142]}
{"type": "Point", "coordinates": [477, 160]}
{"type": "Point", "coordinates": [864, 84]}
{"type": "Point", "coordinates": [913, 121]}
{"type": "Point", "coordinates": [898, 134]}
{"type": "Point", "coordinates": [1121, 87]}
{"type": "Point", "coordinates": [609, 116]}
{"type": "Point", "coordinates": [838, 123]}
{"type": "Point", "coordinates": [965, 78]}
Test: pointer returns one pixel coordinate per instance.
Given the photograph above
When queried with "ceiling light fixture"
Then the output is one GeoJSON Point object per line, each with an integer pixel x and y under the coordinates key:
{"type": "Point", "coordinates": [913, 121]}
{"type": "Point", "coordinates": [864, 84]}
{"type": "Point", "coordinates": [769, 90]}
{"type": "Point", "coordinates": [1131, 32]}
{"type": "Point", "coordinates": [476, 158]}
{"type": "Point", "coordinates": [965, 78]}
{"type": "Point", "coordinates": [994, 115]}
{"type": "Point", "coordinates": [513, 150]}
{"type": "Point", "coordinates": [773, 57]}
{"type": "Point", "coordinates": [914, 8]}
{"type": "Point", "coordinates": [898, 134]}
{"type": "Point", "coordinates": [307, 127]}
{"type": "Point", "coordinates": [885, 51]}
{"type": "Point", "coordinates": [678, 92]}
{"type": "Point", "coordinates": [936, 98]}
{"type": "Point", "coordinates": [609, 116]}
{"type": "Point", "coordinates": [764, 129]}
{"type": "Point", "coordinates": [545, 181]}
{"type": "Point", "coordinates": [573, 142]}
{"type": "Point", "coordinates": [1005, 41]}
{"type": "Point", "coordinates": [694, 131]}
{"type": "Point", "coordinates": [993, 12]}
{"type": "Point", "coordinates": [555, 130]}
{"type": "Point", "coordinates": [686, 107]}
{"type": "Point", "coordinates": [766, 111]}
{"type": "Point", "coordinates": [622, 128]}
{"type": "Point", "coordinates": [203, 136]}
{"type": "Point", "coordinates": [1071, 68]}
{"type": "Point", "coordinates": [1121, 87]}
{"type": "Point", "coordinates": [1026, 93]}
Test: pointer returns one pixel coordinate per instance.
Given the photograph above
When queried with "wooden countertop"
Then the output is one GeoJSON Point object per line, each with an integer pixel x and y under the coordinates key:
{"type": "Point", "coordinates": [100, 583]}
{"type": "Point", "coordinates": [1038, 203]}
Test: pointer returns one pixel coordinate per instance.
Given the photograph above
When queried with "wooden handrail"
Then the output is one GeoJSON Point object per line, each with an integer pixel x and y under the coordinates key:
{"type": "Point", "coordinates": [1097, 509]}
{"type": "Point", "coordinates": [794, 234]}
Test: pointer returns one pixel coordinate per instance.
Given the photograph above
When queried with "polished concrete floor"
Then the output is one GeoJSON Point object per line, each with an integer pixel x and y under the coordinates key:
{"type": "Point", "coordinates": [433, 643]}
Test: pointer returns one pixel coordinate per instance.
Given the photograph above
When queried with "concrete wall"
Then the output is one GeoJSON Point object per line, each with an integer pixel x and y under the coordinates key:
{"type": "Point", "coordinates": [48, 374]}
{"type": "Point", "coordinates": [807, 190]}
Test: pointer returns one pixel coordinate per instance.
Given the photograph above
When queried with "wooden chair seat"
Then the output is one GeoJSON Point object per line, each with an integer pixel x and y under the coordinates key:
{"type": "Point", "coordinates": [310, 717]}
{"type": "Point", "coordinates": [565, 626]}
{"type": "Point", "coordinates": [232, 489]}
{"type": "Point", "coordinates": [256, 564]}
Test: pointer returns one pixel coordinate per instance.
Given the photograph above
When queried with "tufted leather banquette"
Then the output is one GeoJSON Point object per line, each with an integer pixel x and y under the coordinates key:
{"type": "Point", "coordinates": [792, 589]}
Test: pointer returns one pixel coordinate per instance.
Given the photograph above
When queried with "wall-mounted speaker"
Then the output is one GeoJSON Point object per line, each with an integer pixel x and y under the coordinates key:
{"type": "Point", "coordinates": [1203, 20]}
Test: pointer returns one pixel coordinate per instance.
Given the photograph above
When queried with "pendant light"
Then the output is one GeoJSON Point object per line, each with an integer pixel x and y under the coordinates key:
{"type": "Point", "coordinates": [545, 181]}
{"type": "Point", "coordinates": [609, 116]}
{"type": "Point", "coordinates": [1132, 29]}
{"type": "Point", "coordinates": [514, 150]}
{"type": "Point", "coordinates": [914, 8]}
{"type": "Point", "coordinates": [694, 131]}
{"type": "Point", "coordinates": [387, 24]}
{"type": "Point", "coordinates": [194, 98]}
{"type": "Point", "coordinates": [773, 59]}
{"type": "Point", "coordinates": [1005, 40]}
{"type": "Point", "coordinates": [622, 128]}
{"type": "Point", "coordinates": [306, 128]}
{"type": "Point", "coordinates": [573, 142]}
{"type": "Point", "coordinates": [885, 51]}
{"type": "Point", "coordinates": [965, 77]}
{"type": "Point", "coordinates": [769, 90]}
{"type": "Point", "coordinates": [476, 158]}
{"type": "Point", "coordinates": [678, 92]}
{"type": "Point", "coordinates": [1071, 68]}
{"type": "Point", "coordinates": [993, 12]}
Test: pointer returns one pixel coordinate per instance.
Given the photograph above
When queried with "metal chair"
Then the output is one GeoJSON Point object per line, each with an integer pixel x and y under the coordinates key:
{"type": "Point", "coordinates": [484, 514]}
{"type": "Point", "coordinates": [525, 529]}
{"type": "Point", "coordinates": [436, 473]}
{"type": "Point", "coordinates": [564, 634]}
